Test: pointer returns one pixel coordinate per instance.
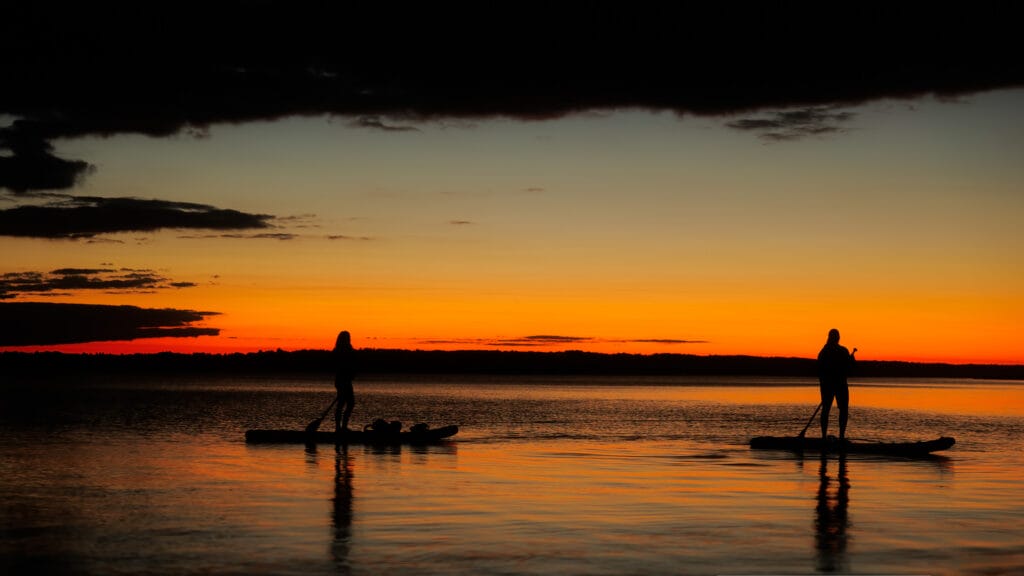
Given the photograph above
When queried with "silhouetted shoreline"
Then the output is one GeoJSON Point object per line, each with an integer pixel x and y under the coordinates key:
{"type": "Point", "coordinates": [373, 361]}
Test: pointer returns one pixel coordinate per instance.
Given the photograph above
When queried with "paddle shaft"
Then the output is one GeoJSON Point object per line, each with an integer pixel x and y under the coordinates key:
{"type": "Point", "coordinates": [804, 431]}
{"type": "Point", "coordinates": [329, 406]}
{"type": "Point", "coordinates": [316, 423]}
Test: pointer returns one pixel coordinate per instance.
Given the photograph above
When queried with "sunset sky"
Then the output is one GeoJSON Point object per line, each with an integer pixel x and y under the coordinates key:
{"type": "Point", "coordinates": [618, 224]}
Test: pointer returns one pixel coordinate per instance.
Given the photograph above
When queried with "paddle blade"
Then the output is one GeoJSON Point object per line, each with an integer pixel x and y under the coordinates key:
{"type": "Point", "coordinates": [314, 425]}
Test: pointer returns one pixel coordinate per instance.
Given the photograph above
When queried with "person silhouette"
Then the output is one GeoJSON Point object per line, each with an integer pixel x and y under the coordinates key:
{"type": "Point", "coordinates": [344, 373]}
{"type": "Point", "coordinates": [834, 364]}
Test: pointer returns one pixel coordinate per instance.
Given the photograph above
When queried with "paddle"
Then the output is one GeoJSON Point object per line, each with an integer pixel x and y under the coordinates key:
{"type": "Point", "coordinates": [804, 431]}
{"type": "Point", "coordinates": [315, 424]}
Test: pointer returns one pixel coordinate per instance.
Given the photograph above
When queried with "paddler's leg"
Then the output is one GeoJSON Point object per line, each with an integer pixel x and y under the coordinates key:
{"type": "Point", "coordinates": [337, 412]}
{"type": "Point", "coordinates": [346, 415]}
{"type": "Point", "coordinates": [827, 394]}
{"type": "Point", "coordinates": [843, 402]}
{"type": "Point", "coordinates": [349, 397]}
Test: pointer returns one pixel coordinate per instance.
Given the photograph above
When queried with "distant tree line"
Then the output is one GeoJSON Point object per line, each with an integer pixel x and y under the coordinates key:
{"type": "Point", "coordinates": [373, 361]}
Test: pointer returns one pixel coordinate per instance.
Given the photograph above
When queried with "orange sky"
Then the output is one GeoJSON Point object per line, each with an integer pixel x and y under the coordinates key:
{"type": "Point", "coordinates": [625, 232]}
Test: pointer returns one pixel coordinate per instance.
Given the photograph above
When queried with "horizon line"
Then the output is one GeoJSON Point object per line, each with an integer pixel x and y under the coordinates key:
{"type": "Point", "coordinates": [499, 351]}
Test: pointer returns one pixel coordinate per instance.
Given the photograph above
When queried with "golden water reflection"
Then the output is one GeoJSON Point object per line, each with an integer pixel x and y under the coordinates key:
{"type": "Point", "coordinates": [515, 493]}
{"type": "Point", "coordinates": [341, 511]}
{"type": "Point", "coordinates": [946, 396]}
{"type": "Point", "coordinates": [831, 516]}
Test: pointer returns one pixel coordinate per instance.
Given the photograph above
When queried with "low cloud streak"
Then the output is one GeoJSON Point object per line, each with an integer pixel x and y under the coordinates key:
{"type": "Point", "coordinates": [72, 217]}
{"type": "Point", "coordinates": [44, 324]}
{"type": "Point", "coordinates": [782, 125]}
{"type": "Point", "coordinates": [63, 280]}
{"type": "Point", "coordinates": [555, 341]}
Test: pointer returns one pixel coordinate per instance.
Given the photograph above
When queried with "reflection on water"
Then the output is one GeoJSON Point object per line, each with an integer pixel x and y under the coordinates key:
{"type": "Point", "coordinates": [341, 500]}
{"type": "Point", "coordinates": [830, 518]}
{"type": "Point", "coordinates": [341, 511]}
{"type": "Point", "coordinates": [559, 478]}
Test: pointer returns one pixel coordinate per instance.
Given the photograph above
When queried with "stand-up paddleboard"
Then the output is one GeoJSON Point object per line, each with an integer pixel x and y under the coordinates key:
{"type": "Point", "coordinates": [804, 444]}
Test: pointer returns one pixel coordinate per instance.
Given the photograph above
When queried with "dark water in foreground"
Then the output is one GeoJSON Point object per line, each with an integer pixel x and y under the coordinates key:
{"type": "Point", "coordinates": [548, 476]}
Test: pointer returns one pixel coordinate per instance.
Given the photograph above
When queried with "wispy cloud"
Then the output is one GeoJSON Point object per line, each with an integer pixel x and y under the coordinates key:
{"type": "Point", "coordinates": [345, 237]}
{"type": "Point", "coordinates": [667, 341]}
{"type": "Point", "coordinates": [235, 236]}
{"type": "Point", "coordinates": [783, 125]}
{"type": "Point", "coordinates": [378, 123]}
{"type": "Point", "coordinates": [69, 280]}
{"type": "Point", "coordinates": [541, 340]}
{"type": "Point", "coordinates": [552, 341]}
{"type": "Point", "coordinates": [298, 221]}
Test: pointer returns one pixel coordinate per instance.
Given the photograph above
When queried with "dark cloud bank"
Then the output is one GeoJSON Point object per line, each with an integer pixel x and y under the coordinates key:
{"type": "Point", "coordinates": [43, 323]}
{"type": "Point", "coordinates": [161, 68]}
{"type": "Point", "coordinates": [49, 323]}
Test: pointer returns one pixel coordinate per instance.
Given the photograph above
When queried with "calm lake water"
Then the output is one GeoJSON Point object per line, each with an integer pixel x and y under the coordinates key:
{"type": "Point", "coordinates": [548, 476]}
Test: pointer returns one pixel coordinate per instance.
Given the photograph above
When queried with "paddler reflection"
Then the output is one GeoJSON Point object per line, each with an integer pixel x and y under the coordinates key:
{"type": "Point", "coordinates": [830, 518]}
{"type": "Point", "coordinates": [341, 511]}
